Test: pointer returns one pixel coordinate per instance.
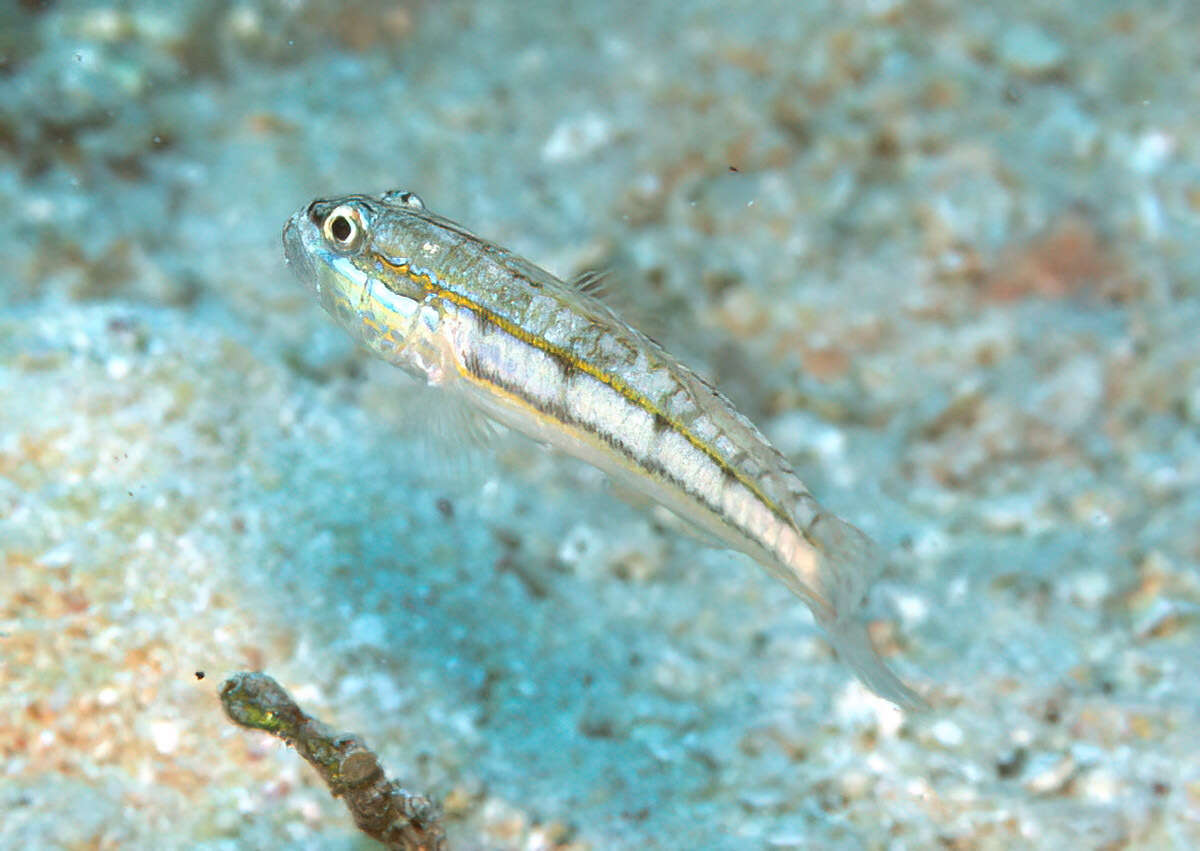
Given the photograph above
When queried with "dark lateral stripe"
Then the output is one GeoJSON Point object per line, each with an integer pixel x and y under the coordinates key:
{"type": "Point", "coordinates": [569, 361]}
{"type": "Point", "coordinates": [480, 370]}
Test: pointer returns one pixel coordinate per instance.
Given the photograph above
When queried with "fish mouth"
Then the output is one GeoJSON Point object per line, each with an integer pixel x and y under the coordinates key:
{"type": "Point", "coordinates": [296, 255]}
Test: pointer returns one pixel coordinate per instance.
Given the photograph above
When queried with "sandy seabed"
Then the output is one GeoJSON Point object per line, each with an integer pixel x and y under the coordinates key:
{"type": "Point", "coordinates": [945, 256]}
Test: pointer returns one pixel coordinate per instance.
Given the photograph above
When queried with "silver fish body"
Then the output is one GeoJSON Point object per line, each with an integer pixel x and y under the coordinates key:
{"type": "Point", "coordinates": [549, 360]}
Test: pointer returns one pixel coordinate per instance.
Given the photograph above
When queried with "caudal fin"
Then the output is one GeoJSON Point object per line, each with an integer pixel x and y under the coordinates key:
{"type": "Point", "coordinates": [849, 562]}
{"type": "Point", "coordinates": [850, 639]}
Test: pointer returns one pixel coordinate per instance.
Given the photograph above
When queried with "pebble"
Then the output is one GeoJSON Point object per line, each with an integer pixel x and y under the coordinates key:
{"type": "Point", "coordinates": [165, 736]}
{"type": "Point", "coordinates": [1089, 588]}
{"type": "Point", "coordinates": [1048, 773]}
{"type": "Point", "coordinates": [367, 630]}
{"type": "Point", "coordinates": [785, 839]}
{"type": "Point", "coordinates": [947, 734]}
{"type": "Point", "coordinates": [575, 138]}
{"type": "Point", "coordinates": [1100, 785]}
{"type": "Point", "coordinates": [1016, 513]}
{"type": "Point", "coordinates": [117, 368]}
{"type": "Point", "coordinates": [1029, 51]}
{"type": "Point", "coordinates": [761, 798]}
{"type": "Point", "coordinates": [1151, 152]}
{"type": "Point", "coordinates": [1071, 397]}
{"type": "Point", "coordinates": [913, 609]}
{"type": "Point", "coordinates": [930, 543]}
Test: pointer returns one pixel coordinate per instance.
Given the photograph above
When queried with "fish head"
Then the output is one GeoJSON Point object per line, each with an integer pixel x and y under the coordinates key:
{"type": "Point", "coordinates": [351, 253]}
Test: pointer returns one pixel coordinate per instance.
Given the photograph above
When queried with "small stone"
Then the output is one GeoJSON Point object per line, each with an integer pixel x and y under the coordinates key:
{"type": "Point", "coordinates": [930, 543]}
{"type": "Point", "coordinates": [1101, 785]}
{"type": "Point", "coordinates": [165, 736]}
{"type": "Point", "coordinates": [761, 798]}
{"type": "Point", "coordinates": [855, 785]}
{"type": "Point", "coordinates": [547, 836]}
{"type": "Point", "coordinates": [1162, 618]}
{"type": "Point", "coordinates": [1049, 773]}
{"type": "Point", "coordinates": [1029, 51]}
{"type": "Point", "coordinates": [1071, 397]}
{"type": "Point", "coordinates": [1090, 588]}
{"type": "Point", "coordinates": [1010, 762]}
{"type": "Point", "coordinates": [459, 800]}
{"type": "Point", "coordinates": [947, 734]}
{"type": "Point", "coordinates": [367, 630]}
{"type": "Point", "coordinates": [579, 544]}
{"type": "Point", "coordinates": [1011, 514]}
{"type": "Point", "coordinates": [913, 609]}
{"type": "Point", "coordinates": [117, 368]}
{"type": "Point", "coordinates": [573, 139]}
{"type": "Point", "coordinates": [1151, 152]}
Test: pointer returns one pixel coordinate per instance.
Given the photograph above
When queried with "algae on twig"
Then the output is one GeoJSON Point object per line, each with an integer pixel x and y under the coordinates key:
{"type": "Point", "coordinates": [381, 809]}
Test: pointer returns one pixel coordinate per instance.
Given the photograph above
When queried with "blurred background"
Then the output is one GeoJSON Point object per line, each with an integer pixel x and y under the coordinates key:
{"type": "Point", "coordinates": [945, 255]}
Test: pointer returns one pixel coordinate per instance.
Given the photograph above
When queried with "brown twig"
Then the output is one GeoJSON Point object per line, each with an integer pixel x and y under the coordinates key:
{"type": "Point", "coordinates": [381, 809]}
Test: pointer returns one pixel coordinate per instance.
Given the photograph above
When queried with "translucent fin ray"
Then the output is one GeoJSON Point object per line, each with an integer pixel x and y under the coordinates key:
{"type": "Point", "coordinates": [849, 563]}
{"type": "Point", "coordinates": [850, 639]}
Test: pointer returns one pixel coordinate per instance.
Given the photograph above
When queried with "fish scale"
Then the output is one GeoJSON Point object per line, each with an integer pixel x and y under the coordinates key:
{"type": "Point", "coordinates": [553, 362]}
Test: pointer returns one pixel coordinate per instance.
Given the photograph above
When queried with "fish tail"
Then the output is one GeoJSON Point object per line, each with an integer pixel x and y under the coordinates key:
{"type": "Point", "coordinates": [849, 562]}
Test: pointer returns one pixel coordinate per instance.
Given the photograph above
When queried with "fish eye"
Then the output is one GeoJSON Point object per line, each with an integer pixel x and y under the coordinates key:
{"type": "Point", "coordinates": [404, 198]}
{"type": "Point", "coordinates": [343, 228]}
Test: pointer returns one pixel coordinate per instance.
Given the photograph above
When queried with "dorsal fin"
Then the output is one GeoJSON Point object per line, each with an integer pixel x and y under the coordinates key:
{"type": "Point", "coordinates": [593, 282]}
